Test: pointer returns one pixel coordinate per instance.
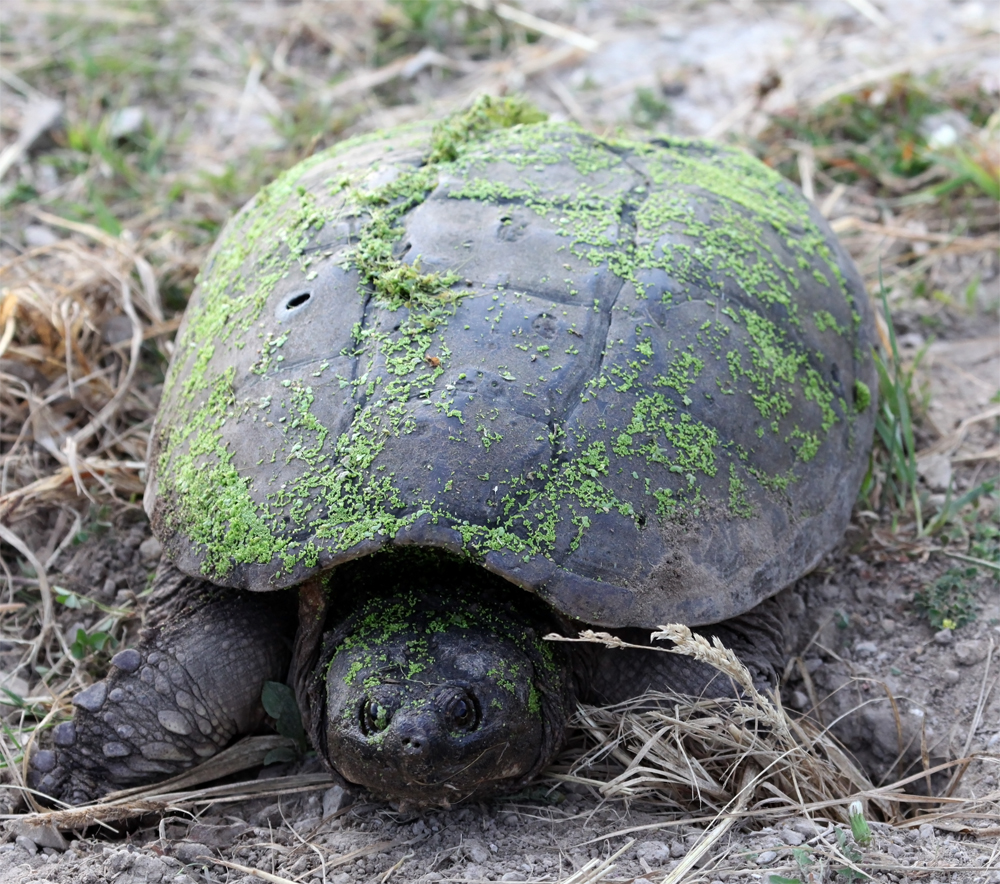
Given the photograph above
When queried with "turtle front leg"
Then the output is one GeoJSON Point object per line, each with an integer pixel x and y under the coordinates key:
{"type": "Point", "coordinates": [190, 686]}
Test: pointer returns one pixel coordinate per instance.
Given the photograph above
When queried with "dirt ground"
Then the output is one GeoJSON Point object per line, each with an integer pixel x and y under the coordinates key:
{"type": "Point", "coordinates": [171, 114]}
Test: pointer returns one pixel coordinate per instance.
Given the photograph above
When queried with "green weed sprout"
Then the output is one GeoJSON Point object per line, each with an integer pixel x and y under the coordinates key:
{"type": "Point", "coordinates": [279, 702]}
{"type": "Point", "coordinates": [859, 826]}
{"type": "Point", "coordinates": [895, 435]}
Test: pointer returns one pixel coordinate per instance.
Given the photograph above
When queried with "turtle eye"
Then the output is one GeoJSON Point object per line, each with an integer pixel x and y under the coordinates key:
{"type": "Point", "coordinates": [375, 716]}
{"type": "Point", "coordinates": [463, 712]}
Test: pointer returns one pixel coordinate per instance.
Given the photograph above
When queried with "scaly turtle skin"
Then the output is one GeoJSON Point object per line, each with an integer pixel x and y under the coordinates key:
{"type": "Point", "coordinates": [429, 369]}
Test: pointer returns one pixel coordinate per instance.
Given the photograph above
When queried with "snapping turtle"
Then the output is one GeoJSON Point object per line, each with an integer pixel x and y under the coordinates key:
{"type": "Point", "coordinates": [444, 389]}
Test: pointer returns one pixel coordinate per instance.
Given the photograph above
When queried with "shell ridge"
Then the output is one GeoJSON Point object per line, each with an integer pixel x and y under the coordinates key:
{"type": "Point", "coordinates": [358, 395]}
{"type": "Point", "coordinates": [622, 281]}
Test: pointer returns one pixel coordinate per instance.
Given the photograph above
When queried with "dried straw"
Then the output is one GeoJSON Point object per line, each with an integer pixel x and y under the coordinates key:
{"type": "Point", "coordinates": [694, 754]}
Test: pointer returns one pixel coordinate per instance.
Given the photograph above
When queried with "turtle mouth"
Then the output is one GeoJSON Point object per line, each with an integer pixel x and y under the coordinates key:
{"type": "Point", "coordinates": [416, 785]}
{"type": "Point", "coordinates": [432, 745]}
{"type": "Point", "coordinates": [413, 772]}
{"type": "Point", "coordinates": [447, 771]}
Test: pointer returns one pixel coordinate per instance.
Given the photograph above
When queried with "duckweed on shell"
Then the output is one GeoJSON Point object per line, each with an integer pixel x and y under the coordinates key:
{"type": "Point", "coordinates": [628, 376]}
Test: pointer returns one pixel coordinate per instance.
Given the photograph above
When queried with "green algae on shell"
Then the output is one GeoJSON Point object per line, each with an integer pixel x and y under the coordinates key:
{"type": "Point", "coordinates": [598, 367]}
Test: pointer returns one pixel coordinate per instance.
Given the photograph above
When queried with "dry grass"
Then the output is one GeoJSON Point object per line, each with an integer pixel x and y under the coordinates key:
{"type": "Point", "coordinates": [716, 754]}
{"type": "Point", "coordinates": [747, 759]}
{"type": "Point", "coordinates": [720, 762]}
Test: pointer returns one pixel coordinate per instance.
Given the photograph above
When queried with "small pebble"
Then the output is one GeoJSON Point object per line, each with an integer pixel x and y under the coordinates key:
{"type": "Point", "coordinates": [910, 339]}
{"type": "Point", "coordinates": [475, 851]}
{"type": "Point", "coordinates": [806, 828]}
{"type": "Point", "coordinates": [46, 836]}
{"type": "Point", "coordinates": [150, 551]}
{"type": "Point", "coordinates": [36, 235]}
{"type": "Point", "coordinates": [333, 800]}
{"type": "Point", "coordinates": [653, 852]}
{"type": "Point", "coordinates": [944, 637]}
{"type": "Point", "coordinates": [936, 472]}
{"type": "Point", "coordinates": [766, 858]}
{"type": "Point", "coordinates": [951, 676]}
{"type": "Point", "coordinates": [926, 832]}
{"type": "Point", "coordinates": [191, 851]}
{"type": "Point", "coordinates": [889, 625]}
{"type": "Point", "coordinates": [790, 836]}
{"type": "Point", "coordinates": [971, 651]}
{"type": "Point", "coordinates": [126, 121]}
{"type": "Point", "coordinates": [866, 649]}
{"type": "Point", "coordinates": [26, 844]}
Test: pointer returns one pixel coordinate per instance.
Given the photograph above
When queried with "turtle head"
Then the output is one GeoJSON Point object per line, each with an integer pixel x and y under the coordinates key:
{"type": "Point", "coordinates": [432, 697]}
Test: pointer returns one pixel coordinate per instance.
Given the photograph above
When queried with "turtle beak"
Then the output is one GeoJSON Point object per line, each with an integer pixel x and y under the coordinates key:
{"type": "Point", "coordinates": [421, 747]}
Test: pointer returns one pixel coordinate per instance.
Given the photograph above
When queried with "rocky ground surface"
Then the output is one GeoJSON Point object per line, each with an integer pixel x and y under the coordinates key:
{"type": "Point", "coordinates": [715, 64]}
{"type": "Point", "coordinates": [862, 629]}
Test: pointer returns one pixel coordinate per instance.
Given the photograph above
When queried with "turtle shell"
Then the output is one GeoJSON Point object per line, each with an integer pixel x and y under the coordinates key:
{"type": "Point", "coordinates": [632, 377]}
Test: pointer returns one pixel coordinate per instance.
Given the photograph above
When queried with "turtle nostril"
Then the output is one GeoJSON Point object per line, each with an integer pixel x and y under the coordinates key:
{"type": "Point", "coordinates": [413, 744]}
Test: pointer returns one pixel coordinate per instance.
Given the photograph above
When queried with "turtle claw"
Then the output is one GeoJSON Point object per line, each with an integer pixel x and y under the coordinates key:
{"type": "Point", "coordinates": [50, 774]}
{"type": "Point", "coordinates": [183, 694]}
{"type": "Point", "coordinates": [146, 720]}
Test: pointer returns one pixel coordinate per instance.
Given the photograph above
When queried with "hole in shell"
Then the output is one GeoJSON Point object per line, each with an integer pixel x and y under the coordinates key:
{"type": "Point", "coordinates": [295, 302]}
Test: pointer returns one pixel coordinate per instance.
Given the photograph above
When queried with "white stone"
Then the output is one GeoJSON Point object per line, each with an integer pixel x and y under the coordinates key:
{"type": "Point", "coordinates": [653, 852]}
{"type": "Point", "coordinates": [971, 651]}
{"type": "Point", "coordinates": [126, 121]}
{"type": "Point", "coordinates": [935, 471]}
{"type": "Point", "coordinates": [476, 851]}
{"type": "Point", "coordinates": [150, 551]}
{"type": "Point", "coordinates": [333, 800]}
